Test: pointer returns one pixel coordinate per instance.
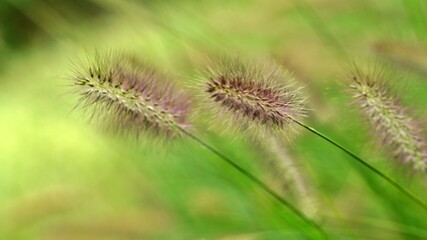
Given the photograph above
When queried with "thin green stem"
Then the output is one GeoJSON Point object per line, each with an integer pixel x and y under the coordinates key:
{"type": "Point", "coordinates": [257, 181]}
{"type": "Point", "coordinates": [367, 165]}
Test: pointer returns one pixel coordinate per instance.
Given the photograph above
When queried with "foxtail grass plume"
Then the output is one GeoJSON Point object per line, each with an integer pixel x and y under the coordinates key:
{"type": "Point", "coordinates": [250, 95]}
{"type": "Point", "coordinates": [388, 118]}
{"type": "Point", "coordinates": [127, 96]}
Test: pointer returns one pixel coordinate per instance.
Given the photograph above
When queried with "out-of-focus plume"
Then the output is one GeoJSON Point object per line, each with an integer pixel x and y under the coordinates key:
{"type": "Point", "coordinates": [387, 117]}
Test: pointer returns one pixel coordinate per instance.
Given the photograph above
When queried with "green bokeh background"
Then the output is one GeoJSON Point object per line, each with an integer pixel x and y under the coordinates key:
{"type": "Point", "coordinates": [61, 178]}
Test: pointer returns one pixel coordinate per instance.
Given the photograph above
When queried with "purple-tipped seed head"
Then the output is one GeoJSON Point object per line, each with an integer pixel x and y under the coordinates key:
{"type": "Point", "coordinates": [250, 95]}
{"type": "Point", "coordinates": [128, 96]}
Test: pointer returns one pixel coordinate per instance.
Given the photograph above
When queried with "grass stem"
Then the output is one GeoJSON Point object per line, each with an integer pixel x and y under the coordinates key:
{"type": "Point", "coordinates": [367, 165]}
{"type": "Point", "coordinates": [257, 181]}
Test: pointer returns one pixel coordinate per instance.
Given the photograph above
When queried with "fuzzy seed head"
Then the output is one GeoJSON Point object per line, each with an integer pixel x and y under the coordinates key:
{"type": "Point", "coordinates": [127, 96]}
{"type": "Point", "coordinates": [388, 118]}
{"type": "Point", "coordinates": [250, 95]}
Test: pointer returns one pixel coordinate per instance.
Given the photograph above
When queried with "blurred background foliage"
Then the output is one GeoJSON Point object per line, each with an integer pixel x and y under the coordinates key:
{"type": "Point", "coordinates": [61, 178]}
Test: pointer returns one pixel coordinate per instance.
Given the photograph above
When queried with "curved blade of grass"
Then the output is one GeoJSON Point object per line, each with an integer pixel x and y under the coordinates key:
{"type": "Point", "coordinates": [257, 181]}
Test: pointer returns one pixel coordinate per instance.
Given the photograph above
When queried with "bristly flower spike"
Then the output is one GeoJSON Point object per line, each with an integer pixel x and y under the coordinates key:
{"type": "Point", "coordinates": [250, 95]}
{"type": "Point", "coordinates": [127, 96]}
{"type": "Point", "coordinates": [388, 118]}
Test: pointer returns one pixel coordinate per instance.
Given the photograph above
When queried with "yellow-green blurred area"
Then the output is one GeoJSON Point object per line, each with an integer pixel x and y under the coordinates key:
{"type": "Point", "coordinates": [62, 178]}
